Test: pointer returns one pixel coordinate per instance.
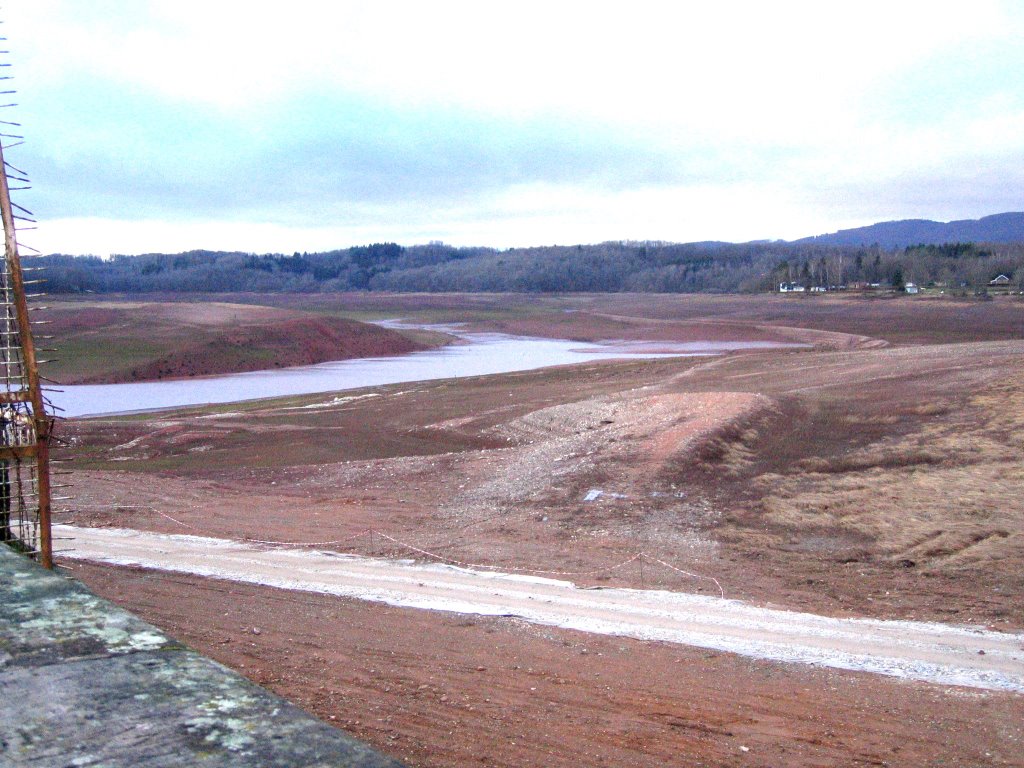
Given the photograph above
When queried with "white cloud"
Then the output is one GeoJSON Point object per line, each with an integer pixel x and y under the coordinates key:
{"type": "Point", "coordinates": [524, 215]}
{"type": "Point", "coordinates": [745, 119]}
{"type": "Point", "coordinates": [104, 236]}
{"type": "Point", "coordinates": [652, 59]}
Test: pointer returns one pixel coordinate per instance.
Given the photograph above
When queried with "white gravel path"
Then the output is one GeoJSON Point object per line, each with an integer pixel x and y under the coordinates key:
{"type": "Point", "coordinates": [936, 653]}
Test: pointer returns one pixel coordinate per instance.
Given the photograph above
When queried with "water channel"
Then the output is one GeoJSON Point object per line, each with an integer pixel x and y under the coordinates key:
{"type": "Point", "coordinates": [480, 354]}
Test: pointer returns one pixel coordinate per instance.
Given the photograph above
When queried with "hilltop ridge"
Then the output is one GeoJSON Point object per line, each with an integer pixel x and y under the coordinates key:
{"type": "Point", "coordinates": [997, 228]}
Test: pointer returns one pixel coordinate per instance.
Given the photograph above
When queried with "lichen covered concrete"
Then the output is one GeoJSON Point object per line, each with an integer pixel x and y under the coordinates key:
{"type": "Point", "coordinates": [85, 683]}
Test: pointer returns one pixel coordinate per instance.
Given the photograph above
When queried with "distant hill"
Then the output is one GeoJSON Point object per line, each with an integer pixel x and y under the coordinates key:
{"type": "Point", "coordinates": [963, 254]}
{"type": "Point", "coordinates": [999, 228]}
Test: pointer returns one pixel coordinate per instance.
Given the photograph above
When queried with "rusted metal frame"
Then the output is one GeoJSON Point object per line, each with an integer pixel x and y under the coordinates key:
{"type": "Point", "coordinates": [19, 452]}
{"type": "Point", "coordinates": [31, 369]}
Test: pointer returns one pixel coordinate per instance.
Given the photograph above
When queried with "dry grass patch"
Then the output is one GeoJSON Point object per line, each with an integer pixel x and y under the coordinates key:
{"type": "Point", "coordinates": [948, 495]}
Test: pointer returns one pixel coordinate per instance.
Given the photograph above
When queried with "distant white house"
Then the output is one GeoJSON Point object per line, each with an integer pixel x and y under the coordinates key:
{"type": "Point", "coordinates": [911, 288]}
{"type": "Point", "coordinates": [1000, 280]}
{"type": "Point", "coordinates": [791, 288]}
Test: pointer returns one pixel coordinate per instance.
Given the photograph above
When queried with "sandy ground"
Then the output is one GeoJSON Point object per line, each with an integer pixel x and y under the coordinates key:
{"type": "Point", "coordinates": [877, 476]}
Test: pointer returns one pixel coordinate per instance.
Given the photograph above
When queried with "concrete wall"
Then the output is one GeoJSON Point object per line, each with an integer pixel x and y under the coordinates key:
{"type": "Point", "coordinates": [84, 683]}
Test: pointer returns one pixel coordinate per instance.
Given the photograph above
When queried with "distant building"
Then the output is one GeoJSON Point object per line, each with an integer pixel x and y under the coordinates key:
{"type": "Point", "coordinates": [999, 284]}
{"type": "Point", "coordinates": [911, 288]}
{"type": "Point", "coordinates": [791, 288]}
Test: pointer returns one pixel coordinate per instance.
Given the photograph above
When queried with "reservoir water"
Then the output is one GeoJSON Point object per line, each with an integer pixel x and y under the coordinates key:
{"type": "Point", "coordinates": [482, 353]}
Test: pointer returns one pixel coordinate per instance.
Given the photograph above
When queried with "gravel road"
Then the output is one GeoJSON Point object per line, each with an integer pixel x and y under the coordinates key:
{"type": "Point", "coordinates": [938, 653]}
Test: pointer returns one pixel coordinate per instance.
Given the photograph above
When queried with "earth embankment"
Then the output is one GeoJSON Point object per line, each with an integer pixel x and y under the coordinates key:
{"type": "Point", "coordinates": [300, 341]}
{"type": "Point", "coordinates": [113, 341]}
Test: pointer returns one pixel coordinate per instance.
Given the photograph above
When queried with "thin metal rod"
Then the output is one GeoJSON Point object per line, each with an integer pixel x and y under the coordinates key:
{"type": "Point", "coordinates": [31, 370]}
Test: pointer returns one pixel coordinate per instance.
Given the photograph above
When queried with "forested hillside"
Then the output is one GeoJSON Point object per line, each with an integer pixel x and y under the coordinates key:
{"type": "Point", "coordinates": [998, 228]}
{"type": "Point", "coordinates": [613, 266]}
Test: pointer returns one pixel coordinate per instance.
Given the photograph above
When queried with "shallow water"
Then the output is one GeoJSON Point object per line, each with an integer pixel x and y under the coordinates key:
{"type": "Point", "coordinates": [485, 353]}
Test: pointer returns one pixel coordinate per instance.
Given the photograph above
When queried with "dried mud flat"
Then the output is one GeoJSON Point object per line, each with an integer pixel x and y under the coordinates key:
{"type": "Point", "coordinates": [858, 479]}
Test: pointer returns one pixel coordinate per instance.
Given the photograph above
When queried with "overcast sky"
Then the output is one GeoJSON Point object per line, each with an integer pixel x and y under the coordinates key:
{"type": "Point", "coordinates": [318, 124]}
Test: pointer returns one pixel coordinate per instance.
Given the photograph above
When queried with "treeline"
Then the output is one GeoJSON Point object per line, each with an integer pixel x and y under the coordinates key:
{"type": "Point", "coordinates": [606, 267]}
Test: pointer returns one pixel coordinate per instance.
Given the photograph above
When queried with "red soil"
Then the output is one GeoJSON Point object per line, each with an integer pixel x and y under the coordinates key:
{"type": "Point", "coordinates": [439, 689]}
{"type": "Point", "coordinates": [300, 341]}
{"type": "Point", "coordinates": [852, 480]}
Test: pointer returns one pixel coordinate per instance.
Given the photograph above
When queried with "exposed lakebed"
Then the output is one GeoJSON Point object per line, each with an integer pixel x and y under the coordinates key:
{"type": "Point", "coordinates": [479, 354]}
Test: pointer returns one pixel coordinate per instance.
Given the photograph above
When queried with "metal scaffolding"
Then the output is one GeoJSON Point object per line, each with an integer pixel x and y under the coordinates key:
{"type": "Point", "coordinates": [24, 424]}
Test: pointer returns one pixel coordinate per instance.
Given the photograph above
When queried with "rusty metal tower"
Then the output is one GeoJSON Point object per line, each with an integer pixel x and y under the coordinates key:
{"type": "Point", "coordinates": [24, 423]}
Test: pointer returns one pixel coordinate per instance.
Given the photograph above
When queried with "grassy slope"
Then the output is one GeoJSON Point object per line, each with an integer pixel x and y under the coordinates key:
{"type": "Point", "coordinates": [108, 340]}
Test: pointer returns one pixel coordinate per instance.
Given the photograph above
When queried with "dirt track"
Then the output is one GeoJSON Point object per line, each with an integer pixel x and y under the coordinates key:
{"type": "Point", "coordinates": [929, 652]}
